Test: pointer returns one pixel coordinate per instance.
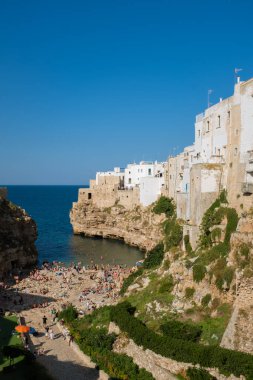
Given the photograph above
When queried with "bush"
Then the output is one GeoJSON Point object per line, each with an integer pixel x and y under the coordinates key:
{"type": "Point", "coordinates": [199, 272]}
{"type": "Point", "coordinates": [154, 257]}
{"type": "Point", "coordinates": [232, 362]}
{"type": "Point", "coordinates": [98, 345]}
{"type": "Point", "coordinates": [199, 374]}
{"type": "Point", "coordinates": [166, 285]}
{"type": "Point", "coordinates": [181, 330]}
{"type": "Point", "coordinates": [173, 233]}
{"type": "Point", "coordinates": [69, 314]}
{"type": "Point", "coordinates": [187, 244]}
{"type": "Point", "coordinates": [189, 292]}
{"type": "Point", "coordinates": [206, 299]}
{"type": "Point", "coordinates": [213, 216]}
{"type": "Point", "coordinates": [129, 280]}
{"type": "Point", "coordinates": [165, 205]}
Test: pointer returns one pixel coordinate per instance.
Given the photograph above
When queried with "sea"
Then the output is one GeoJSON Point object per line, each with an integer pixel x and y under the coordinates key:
{"type": "Point", "coordinates": [50, 206]}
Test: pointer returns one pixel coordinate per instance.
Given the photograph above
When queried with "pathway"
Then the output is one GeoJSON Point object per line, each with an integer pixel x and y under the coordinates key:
{"type": "Point", "coordinates": [61, 360]}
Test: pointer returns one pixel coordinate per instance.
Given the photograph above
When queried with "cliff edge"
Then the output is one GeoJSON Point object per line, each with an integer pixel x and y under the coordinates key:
{"type": "Point", "coordinates": [18, 233]}
{"type": "Point", "coordinates": [139, 227]}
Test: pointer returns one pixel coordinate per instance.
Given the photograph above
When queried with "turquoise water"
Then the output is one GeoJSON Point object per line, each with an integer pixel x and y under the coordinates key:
{"type": "Point", "coordinates": [50, 207]}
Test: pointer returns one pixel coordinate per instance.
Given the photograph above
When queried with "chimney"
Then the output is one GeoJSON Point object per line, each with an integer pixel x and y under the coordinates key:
{"type": "Point", "coordinates": [238, 79]}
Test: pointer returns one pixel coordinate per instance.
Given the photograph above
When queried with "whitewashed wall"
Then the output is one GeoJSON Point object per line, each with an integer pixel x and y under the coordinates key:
{"type": "Point", "coordinates": [150, 189]}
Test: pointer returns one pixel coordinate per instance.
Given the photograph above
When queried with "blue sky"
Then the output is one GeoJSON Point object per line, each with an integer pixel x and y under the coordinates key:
{"type": "Point", "coordinates": [89, 85]}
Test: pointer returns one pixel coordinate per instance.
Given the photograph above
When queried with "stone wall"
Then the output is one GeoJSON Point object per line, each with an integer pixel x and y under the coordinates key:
{"type": "Point", "coordinates": [161, 368]}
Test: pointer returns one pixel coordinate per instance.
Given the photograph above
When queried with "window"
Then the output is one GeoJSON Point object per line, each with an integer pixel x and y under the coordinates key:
{"type": "Point", "coordinates": [89, 195]}
{"type": "Point", "coordinates": [235, 152]}
{"type": "Point", "coordinates": [218, 121]}
{"type": "Point", "coordinates": [129, 180]}
{"type": "Point", "coordinates": [229, 116]}
{"type": "Point", "coordinates": [208, 126]}
{"type": "Point", "coordinates": [149, 171]}
{"type": "Point", "coordinates": [218, 150]}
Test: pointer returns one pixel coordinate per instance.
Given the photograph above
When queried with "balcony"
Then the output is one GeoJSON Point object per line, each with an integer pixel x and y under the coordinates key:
{"type": "Point", "coordinates": [247, 188]}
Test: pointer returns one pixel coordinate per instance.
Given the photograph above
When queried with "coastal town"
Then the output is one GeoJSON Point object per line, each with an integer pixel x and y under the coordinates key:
{"type": "Point", "coordinates": [129, 204]}
{"type": "Point", "coordinates": [126, 190]}
{"type": "Point", "coordinates": [220, 158]}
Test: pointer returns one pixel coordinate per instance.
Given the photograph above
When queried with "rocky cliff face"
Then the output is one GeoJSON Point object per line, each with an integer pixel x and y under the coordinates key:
{"type": "Point", "coordinates": [17, 238]}
{"type": "Point", "coordinates": [139, 227]}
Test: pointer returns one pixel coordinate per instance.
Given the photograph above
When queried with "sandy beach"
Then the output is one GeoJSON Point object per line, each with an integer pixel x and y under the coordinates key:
{"type": "Point", "coordinates": [42, 292]}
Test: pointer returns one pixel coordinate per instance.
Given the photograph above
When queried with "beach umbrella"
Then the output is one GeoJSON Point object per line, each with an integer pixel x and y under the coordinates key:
{"type": "Point", "coordinates": [22, 329]}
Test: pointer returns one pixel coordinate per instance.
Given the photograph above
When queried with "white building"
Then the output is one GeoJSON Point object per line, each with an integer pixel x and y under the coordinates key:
{"type": "Point", "coordinates": [150, 189]}
{"type": "Point", "coordinates": [134, 172]}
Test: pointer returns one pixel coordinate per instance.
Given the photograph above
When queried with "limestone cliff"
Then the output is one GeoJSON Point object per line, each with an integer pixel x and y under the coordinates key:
{"type": "Point", "coordinates": [138, 227]}
{"type": "Point", "coordinates": [18, 233]}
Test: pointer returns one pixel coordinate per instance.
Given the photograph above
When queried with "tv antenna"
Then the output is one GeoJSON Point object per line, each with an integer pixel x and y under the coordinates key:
{"type": "Point", "coordinates": [209, 92]}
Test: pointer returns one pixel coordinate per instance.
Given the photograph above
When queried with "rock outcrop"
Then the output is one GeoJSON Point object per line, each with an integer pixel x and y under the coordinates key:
{"type": "Point", "coordinates": [139, 227]}
{"type": "Point", "coordinates": [18, 233]}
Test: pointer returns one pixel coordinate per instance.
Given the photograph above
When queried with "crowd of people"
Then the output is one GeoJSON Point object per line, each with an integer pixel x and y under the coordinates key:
{"type": "Point", "coordinates": [86, 287]}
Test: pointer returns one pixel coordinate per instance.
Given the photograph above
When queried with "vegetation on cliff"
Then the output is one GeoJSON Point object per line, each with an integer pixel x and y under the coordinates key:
{"type": "Point", "coordinates": [184, 323]}
{"type": "Point", "coordinates": [212, 251]}
{"type": "Point", "coordinates": [91, 335]}
{"type": "Point", "coordinates": [227, 361]}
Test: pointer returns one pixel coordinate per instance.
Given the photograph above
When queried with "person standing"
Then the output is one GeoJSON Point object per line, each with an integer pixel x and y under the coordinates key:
{"type": "Point", "coordinates": [44, 320]}
{"type": "Point", "coordinates": [71, 339]}
{"type": "Point", "coordinates": [51, 334]}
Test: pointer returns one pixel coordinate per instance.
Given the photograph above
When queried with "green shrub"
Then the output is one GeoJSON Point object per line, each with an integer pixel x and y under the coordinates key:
{"type": "Point", "coordinates": [69, 314]}
{"type": "Point", "coordinates": [187, 244]}
{"type": "Point", "coordinates": [173, 233]}
{"type": "Point", "coordinates": [182, 330]}
{"type": "Point", "coordinates": [165, 205]}
{"type": "Point", "coordinates": [216, 234]}
{"type": "Point", "coordinates": [189, 292]}
{"type": "Point", "coordinates": [199, 272]}
{"type": "Point", "coordinates": [166, 285]}
{"type": "Point", "coordinates": [199, 374]}
{"type": "Point", "coordinates": [98, 344]}
{"type": "Point", "coordinates": [231, 362]}
{"type": "Point", "coordinates": [129, 280]}
{"type": "Point", "coordinates": [166, 264]}
{"type": "Point", "coordinates": [222, 273]}
{"type": "Point", "coordinates": [154, 257]}
{"type": "Point", "coordinates": [206, 299]}
{"type": "Point", "coordinates": [248, 272]}
{"type": "Point", "coordinates": [213, 216]}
